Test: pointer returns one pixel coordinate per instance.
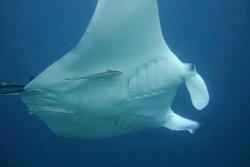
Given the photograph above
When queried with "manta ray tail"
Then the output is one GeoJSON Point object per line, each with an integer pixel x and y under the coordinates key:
{"type": "Point", "coordinates": [10, 89]}
{"type": "Point", "coordinates": [196, 87]}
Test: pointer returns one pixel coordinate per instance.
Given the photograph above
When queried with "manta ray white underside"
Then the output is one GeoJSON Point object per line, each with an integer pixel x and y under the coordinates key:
{"type": "Point", "coordinates": [120, 78]}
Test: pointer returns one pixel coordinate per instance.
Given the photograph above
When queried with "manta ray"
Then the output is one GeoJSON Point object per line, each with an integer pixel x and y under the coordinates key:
{"type": "Point", "coordinates": [120, 78]}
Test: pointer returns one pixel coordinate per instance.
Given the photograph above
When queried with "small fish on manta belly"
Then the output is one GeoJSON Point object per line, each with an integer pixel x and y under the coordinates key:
{"type": "Point", "coordinates": [120, 78]}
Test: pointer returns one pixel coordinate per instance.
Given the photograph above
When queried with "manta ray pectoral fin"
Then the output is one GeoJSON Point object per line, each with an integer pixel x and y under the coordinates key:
{"type": "Point", "coordinates": [197, 88]}
{"type": "Point", "coordinates": [176, 122]}
{"type": "Point", "coordinates": [107, 73]}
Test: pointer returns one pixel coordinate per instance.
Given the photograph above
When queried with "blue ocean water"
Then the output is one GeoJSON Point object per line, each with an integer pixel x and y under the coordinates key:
{"type": "Point", "coordinates": [213, 35]}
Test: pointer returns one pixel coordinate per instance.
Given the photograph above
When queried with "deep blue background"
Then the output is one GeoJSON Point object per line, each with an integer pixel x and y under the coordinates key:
{"type": "Point", "coordinates": [214, 35]}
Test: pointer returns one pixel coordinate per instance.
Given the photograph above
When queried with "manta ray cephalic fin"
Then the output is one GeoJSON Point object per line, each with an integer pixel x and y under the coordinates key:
{"type": "Point", "coordinates": [197, 90]}
{"type": "Point", "coordinates": [176, 122]}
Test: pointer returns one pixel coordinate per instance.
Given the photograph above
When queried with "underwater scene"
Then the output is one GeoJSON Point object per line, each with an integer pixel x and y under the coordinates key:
{"type": "Point", "coordinates": [124, 83]}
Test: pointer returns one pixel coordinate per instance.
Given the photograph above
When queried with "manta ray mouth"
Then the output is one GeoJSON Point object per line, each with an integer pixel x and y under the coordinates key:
{"type": "Point", "coordinates": [192, 67]}
{"type": "Point", "coordinates": [189, 67]}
